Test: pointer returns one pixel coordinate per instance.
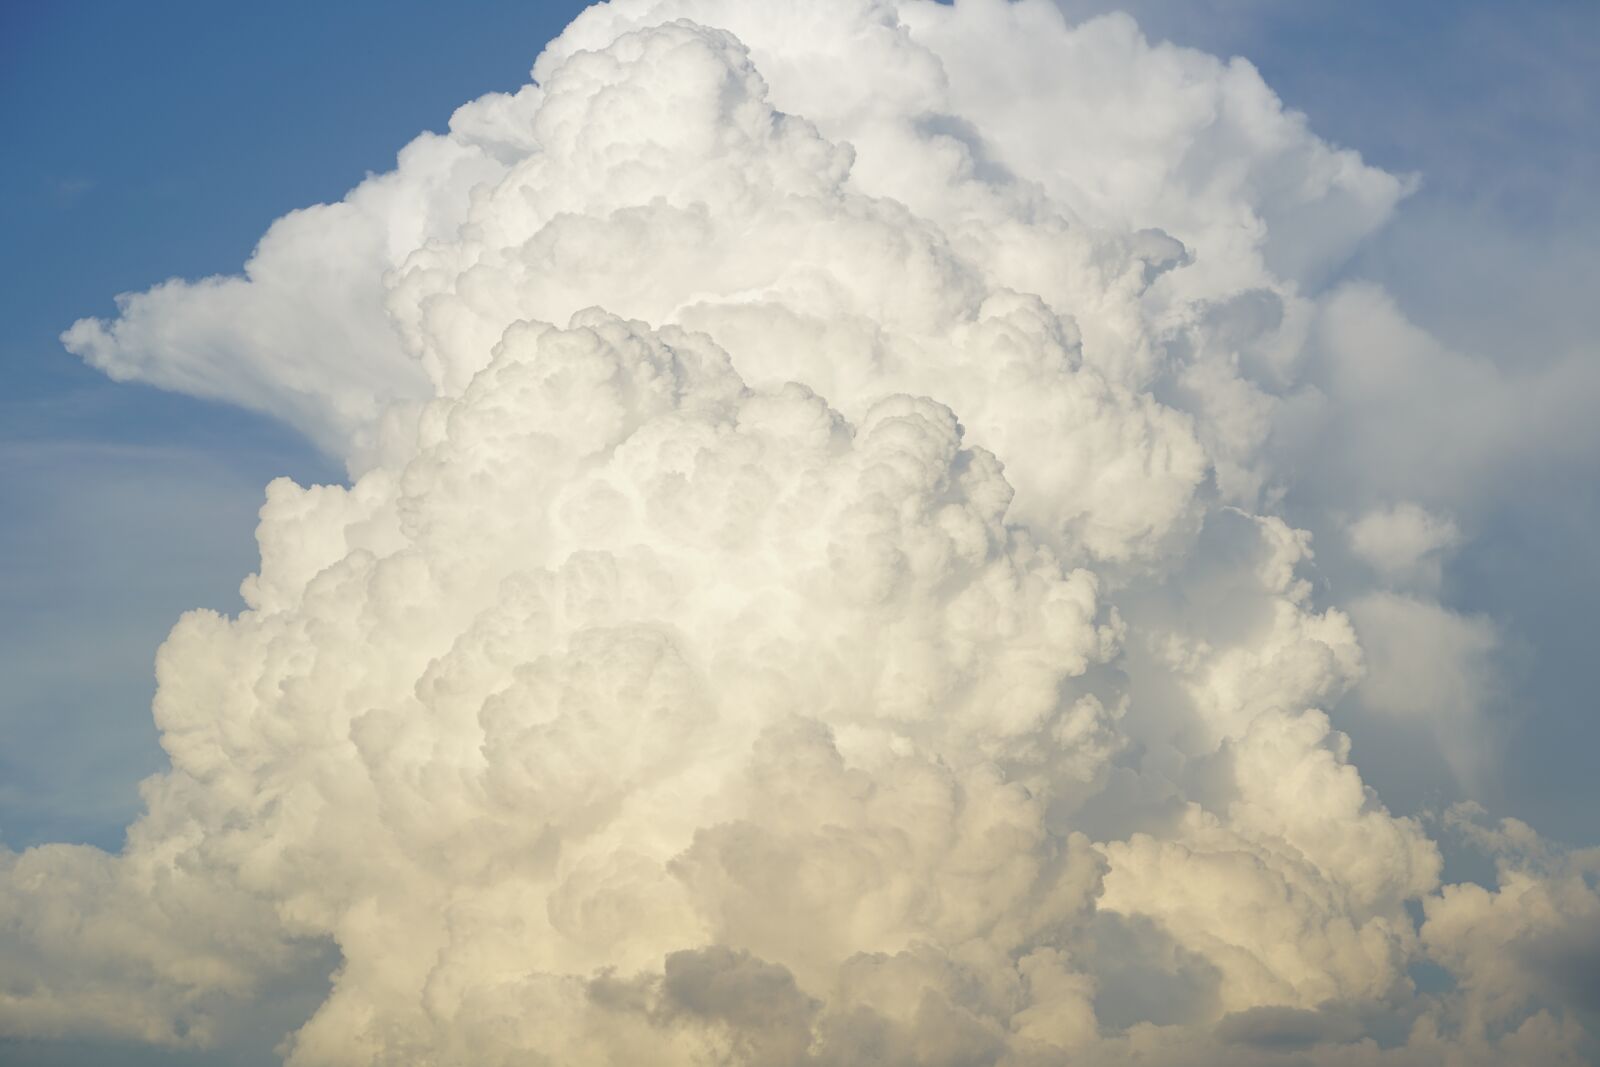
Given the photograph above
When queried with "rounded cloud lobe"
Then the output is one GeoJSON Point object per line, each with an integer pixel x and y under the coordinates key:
{"type": "Point", "coordinates": [811, 590]}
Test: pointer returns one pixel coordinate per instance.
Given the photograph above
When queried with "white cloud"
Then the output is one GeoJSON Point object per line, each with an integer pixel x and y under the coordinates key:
{"type": "Point", "coordinates": [1529, 945]}
{"type": "Point", "coordinates": [1404, 542]}
{"type": "Point", "coordinates": [811, 580]}
{"type": "Point", "coordinates": [1429, 663]}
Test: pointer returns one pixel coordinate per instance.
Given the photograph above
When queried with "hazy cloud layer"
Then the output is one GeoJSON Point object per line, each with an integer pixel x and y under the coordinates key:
{"type": "Point", "coordinates": [815, 587]}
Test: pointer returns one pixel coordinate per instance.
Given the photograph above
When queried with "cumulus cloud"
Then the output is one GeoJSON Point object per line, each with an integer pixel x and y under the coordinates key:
{"type": "Point", "coordinates": [811, 587]}
{"type": "Point", "coordinates": [1429, 664]}
{"type": "Point", "coordinates": [1404, 542]}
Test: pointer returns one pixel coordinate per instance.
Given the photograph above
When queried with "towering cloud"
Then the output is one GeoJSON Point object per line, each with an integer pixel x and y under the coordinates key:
{"type": "Point", "coordinates": [813, 589]}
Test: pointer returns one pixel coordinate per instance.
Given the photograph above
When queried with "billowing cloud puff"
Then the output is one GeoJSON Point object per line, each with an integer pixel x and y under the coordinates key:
{"type": "Point", "coordinates": [811, 588]}
{"type": "Point", "coordinates": [1403, 541]}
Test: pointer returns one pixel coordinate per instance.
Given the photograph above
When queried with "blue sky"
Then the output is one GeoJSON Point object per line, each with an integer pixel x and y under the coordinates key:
{"type": "Point", "coordinates": [157, 141]}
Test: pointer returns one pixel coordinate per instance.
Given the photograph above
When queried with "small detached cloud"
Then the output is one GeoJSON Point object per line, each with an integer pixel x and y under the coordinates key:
{"type": "Point", "coordinates": [1404, 543]}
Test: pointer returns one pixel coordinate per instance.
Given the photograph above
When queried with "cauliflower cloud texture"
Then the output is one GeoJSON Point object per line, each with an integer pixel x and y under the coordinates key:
{"type": "Point", "coordinates": [811, 590]}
